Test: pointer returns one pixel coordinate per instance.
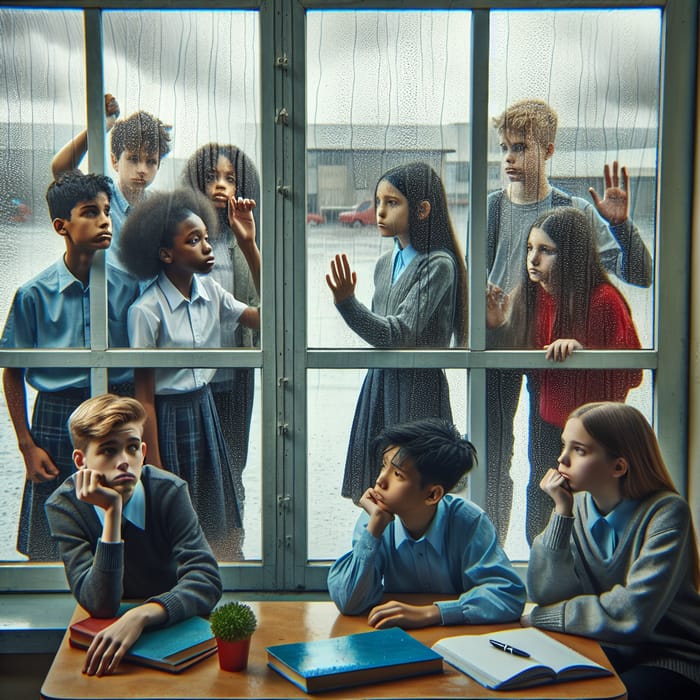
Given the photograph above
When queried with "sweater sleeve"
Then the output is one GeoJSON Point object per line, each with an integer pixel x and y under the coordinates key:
{"type": "Point", "coordinates": [622, 250]}
{"type": "Point", "coordinates": [94, 569]}
{"type": "Point", "coordinates": [198, 586]}
{"type": "Point", "coordinates": [630, 611]}
{"type": "Point", "coordinates": [355, 580]}
{"type": "Point", "coordinates": [434, 285]}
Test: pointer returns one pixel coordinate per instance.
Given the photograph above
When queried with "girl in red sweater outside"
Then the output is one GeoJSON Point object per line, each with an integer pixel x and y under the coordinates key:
{"type": "Point", "coordinates": [564, 303]}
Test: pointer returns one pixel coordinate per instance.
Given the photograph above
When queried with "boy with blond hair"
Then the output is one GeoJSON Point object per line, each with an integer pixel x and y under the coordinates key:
{"type": "Point", "coordinates": [527, 130]}
{"type": "Point", "coordinates": [127, 530]}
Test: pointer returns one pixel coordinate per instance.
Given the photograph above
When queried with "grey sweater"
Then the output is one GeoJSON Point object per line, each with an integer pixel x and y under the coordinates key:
{"type": "Point", "coordinates": [643, 602]}
{"type": "Point", "coordinates": [170, 562]}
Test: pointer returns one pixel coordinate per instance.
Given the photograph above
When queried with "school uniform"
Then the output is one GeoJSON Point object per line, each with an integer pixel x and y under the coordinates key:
{"type": "Point", "coordinates": [189, 432]}
{"type": "Point", "coordinates": [414, 310]}
{"type": "Point", "coordinates": [636, 596]}
{"type": "Point", "coordinates": [162, 557]}
{"type": "Point", "coordinates": [52, 310]}
{"type": "Point", "coordinates": [458, 554]}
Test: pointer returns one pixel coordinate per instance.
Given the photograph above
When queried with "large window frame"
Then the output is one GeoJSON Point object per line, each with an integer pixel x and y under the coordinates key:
{"type": "Point", "coordinates": [284, 358]}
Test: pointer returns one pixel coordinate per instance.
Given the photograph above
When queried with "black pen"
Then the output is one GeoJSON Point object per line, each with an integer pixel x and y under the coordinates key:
{"type": "Point", "coordinates": [508, 648]}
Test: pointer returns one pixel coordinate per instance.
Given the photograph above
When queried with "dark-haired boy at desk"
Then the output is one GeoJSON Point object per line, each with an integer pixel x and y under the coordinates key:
{"type": "Point", "coordinates": [127, 530]}
{"type": "Point", "coordinates": [414, 537]}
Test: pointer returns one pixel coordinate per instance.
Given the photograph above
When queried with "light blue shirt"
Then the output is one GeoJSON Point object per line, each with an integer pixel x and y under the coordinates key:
{"type": "Point", "coordinates": [52, 310]}
{"type": "Point", "coordinates": [118, 211]}
{"type": "Point", "coordinates": [401, 258]}
{"type": "Point", "coordinates": [607, 530]}
{"type": "Point", "coordinates": [135, 509]}
{"type": "Point", "coordinates": [459, 554]}
{"type": "Point", "coordinates": [163, 318]}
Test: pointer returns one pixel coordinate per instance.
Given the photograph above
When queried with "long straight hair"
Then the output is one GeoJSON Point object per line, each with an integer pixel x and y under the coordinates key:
{"type": "Point", "coordinates": [577, 271]}
{"type": "Point", "coordinates": [624, 432]}
{"type": "Point", "coordinates": [418, 182]}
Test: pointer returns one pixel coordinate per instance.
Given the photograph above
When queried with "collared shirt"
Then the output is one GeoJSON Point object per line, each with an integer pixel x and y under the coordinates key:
{"type": "Point", "coordinates": [607, 530]}
{"type": "Point", "coordinates": [458, 554]}
{"type": "Point", "coordinates": [134, 510]}
{"type": "Point", "coordinates": [118, 211]}
{"type": "Point", "coordinates": [52, 310]}
{"type": "Point", "coordinates": [163, 318]}
{"type": "Point", "coordinates": [401, 258]}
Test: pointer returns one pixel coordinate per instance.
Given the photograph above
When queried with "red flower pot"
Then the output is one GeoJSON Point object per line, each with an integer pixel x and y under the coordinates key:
{"type": "Point", "coordinates": [233, 656]}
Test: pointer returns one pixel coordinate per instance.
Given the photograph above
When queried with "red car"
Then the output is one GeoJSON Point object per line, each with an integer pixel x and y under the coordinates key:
{"type": "Point", "coordinates": [362, 214]}
{"type": "Point", "coordinates": [314, 219]}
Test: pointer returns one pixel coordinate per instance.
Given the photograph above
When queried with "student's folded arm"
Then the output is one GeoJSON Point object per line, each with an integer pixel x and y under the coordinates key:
{"type": "Point", "coordinates": [355, 579]}
{"type": "Point", "coordinates": [551, 575]}
{"type": "Point", "coordinates": [94, 579]}
{"type": "Point", "coordinates": [198, 587]}
{"type": "Point", "coordinates": [630, 613]}
{"type": "Point", "coordinates": [493, 591]}
{"type": "Point", "coordinates": [425, 298]}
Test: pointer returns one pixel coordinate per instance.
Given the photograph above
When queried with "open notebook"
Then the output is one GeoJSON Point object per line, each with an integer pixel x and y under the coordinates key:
{"type": "Point", "coordinates": [550, 661]}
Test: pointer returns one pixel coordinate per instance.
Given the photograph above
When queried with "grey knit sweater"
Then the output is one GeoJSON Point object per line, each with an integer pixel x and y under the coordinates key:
{"type": "Point", "coordinates": [170, 562]}
{"type": "Point", "coordinates": [642, 602]}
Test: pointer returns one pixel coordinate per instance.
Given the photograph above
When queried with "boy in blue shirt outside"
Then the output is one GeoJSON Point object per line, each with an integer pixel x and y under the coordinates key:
{"type": "Point", "coordinates": [52, 310]}
{"type": "Point", "coordinates": [138, 145]}
{"type": "Point", "coordinates": [414, 537]}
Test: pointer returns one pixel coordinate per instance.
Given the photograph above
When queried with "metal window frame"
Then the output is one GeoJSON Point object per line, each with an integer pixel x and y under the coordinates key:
{"type": "Point", "coordinates": [284, 358]}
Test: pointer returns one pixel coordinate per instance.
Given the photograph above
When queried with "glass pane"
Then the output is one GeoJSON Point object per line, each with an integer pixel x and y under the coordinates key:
{"type": "Point", "coordinates": [569, 266]}
{"type": "Point", "coordinates": [386, 89]}
{"type": "Point", "coordinates": [540, 443]}
{"type": "Point", "coordinates": [156, 63]}
{"type": "Point", "coordinates": [331, 400]}
{"type": "Point", "coordinates": [41, 67]}
{"type": "Point", "coordinates": [386, 112]}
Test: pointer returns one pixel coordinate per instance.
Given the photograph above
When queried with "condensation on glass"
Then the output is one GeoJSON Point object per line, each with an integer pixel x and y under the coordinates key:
{"type": "Point", "coordinates": [197, 72]}
{"type": "Point", "coordinates": [584, 275]}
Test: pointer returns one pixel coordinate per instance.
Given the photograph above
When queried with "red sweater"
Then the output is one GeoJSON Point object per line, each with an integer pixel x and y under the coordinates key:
{"type": "Point", "coordinates": [609, 326]}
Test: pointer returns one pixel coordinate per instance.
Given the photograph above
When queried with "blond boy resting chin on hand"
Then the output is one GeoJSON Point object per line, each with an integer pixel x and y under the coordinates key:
{"type": "Point", "coordinates": [127, 530]}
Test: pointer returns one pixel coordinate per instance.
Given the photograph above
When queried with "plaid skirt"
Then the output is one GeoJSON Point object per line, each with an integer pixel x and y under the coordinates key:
{"type": "Point", "coordinates": [192, 446]}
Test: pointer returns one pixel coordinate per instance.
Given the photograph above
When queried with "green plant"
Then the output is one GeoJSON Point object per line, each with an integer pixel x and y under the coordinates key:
{"type": "Point", "coordinates": [233, 621]}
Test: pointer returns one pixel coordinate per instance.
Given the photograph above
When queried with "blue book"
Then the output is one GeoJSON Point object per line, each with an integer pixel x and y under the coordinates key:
{"type": "Point", "coordinates": [355, 659]}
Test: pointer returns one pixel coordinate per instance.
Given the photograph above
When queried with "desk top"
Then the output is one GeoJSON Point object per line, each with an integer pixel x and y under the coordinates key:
{"type": "Point", "coordinates": [281, 622]}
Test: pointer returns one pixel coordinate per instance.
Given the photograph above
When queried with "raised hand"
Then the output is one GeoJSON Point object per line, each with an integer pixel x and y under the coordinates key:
{"type": "Point", "coordinates": [240, 219]}
{"type": "Point", "coordinates": [111, 111]}
{"type": "Point", "coordinates": [497, 306]}
{"type": "Point", "coordinates": [614, 207]}
{"type": "Point", "coordinates": [341, 280]}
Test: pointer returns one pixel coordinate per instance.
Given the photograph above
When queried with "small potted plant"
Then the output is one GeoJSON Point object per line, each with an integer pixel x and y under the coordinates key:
{"type": "Point", "coordinates": [233, 625]}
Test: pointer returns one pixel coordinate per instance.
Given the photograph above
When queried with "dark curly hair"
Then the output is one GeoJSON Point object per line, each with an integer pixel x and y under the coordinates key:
{"type": "Point", "coordinates": [73, 187]}
{"type": "Point", "coordinates": [140, 131]}
{"type": "Point", "coordinates": [152, 224]}
{"type": "Point", "coordinates": [203, 162]}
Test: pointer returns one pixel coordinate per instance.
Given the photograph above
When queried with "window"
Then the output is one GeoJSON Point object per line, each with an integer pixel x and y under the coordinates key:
{"type": "Point", "coordinates": [324, 102]}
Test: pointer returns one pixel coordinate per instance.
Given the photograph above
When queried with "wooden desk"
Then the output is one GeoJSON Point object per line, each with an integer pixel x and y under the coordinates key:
{"type": "Point", "coordinates": [282, 622]}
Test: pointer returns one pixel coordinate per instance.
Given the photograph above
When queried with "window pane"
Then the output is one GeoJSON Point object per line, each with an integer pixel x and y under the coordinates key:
{"type": "Point", "coordinates": [331, 400]}
{"type": "Point", "coordinates": [385, 89]}
{"type": "Point", "coordinates": [509, 515]}
{"type": "Point", "coordinates": [177, 66]}
{"type": "Point", "coordinates": [569, 93]}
